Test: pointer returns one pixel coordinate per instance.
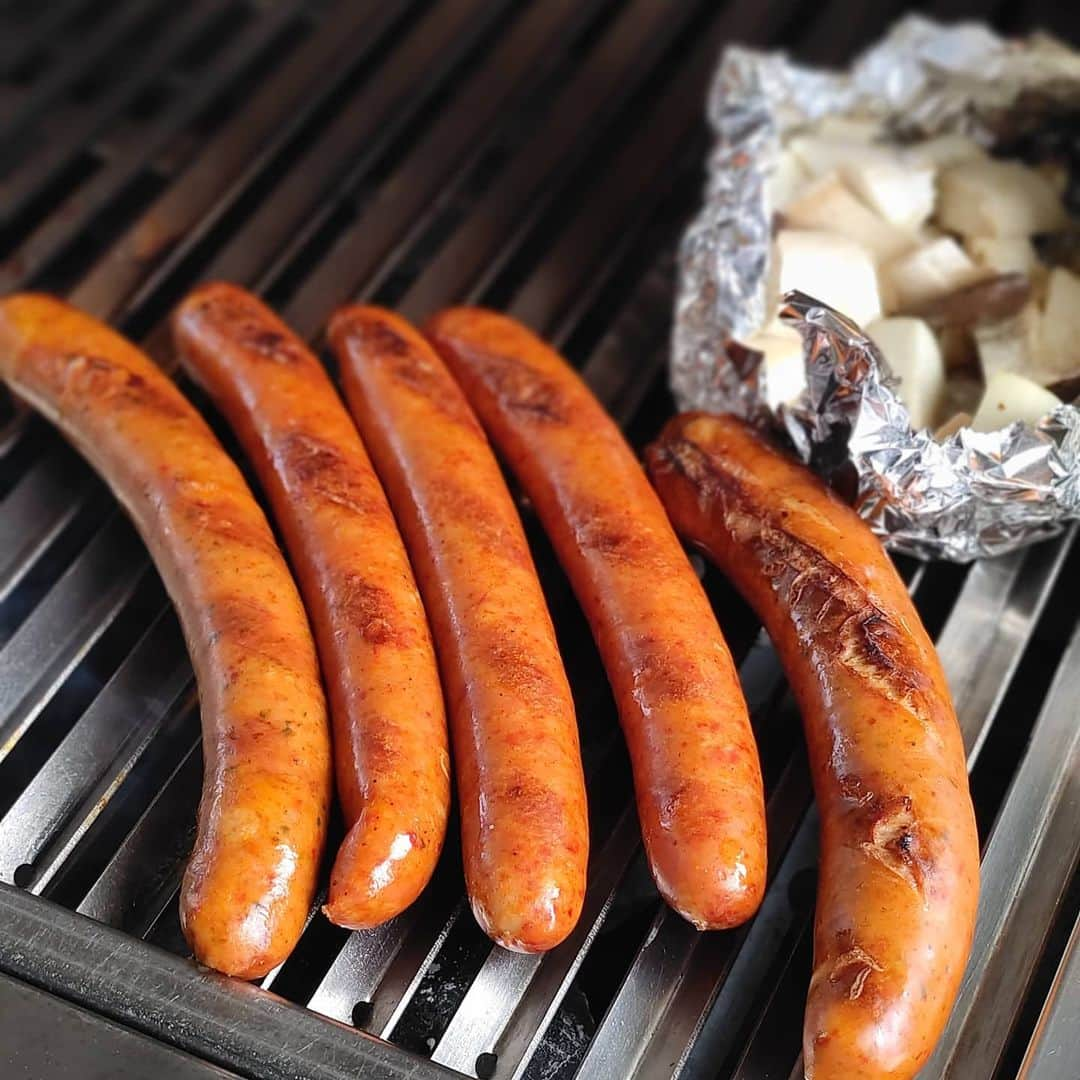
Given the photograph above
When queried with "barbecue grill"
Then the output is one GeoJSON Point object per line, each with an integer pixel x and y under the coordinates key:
{"type": "Point", "coordinates": [539, 157]}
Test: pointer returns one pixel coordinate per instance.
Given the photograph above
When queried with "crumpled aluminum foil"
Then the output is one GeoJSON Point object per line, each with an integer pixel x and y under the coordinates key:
{"type": "Point", "coordinates": [974, 494]}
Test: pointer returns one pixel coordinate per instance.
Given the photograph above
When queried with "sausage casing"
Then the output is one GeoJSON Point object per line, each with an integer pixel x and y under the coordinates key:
{"type": "Point", "coordinates": [377, 658]}
{"type": "Point", "coordinates": [696, 773]}
{"type": "Point", "coordinates": [899, 850]}
{"type": "Point", "coordinates": [523, 807]}
{"type": "Point", "coordinates": [251, 880]}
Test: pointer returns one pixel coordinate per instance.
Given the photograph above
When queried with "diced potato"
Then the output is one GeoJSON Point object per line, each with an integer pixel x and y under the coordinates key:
{"type": "Point", "coordinates": [1010, 345]}
{"type": "Point", "coordinates": [851, 129]}
{"type": "Point", "coordinates": [997, 198]}
{"type": "Point", "coordinates": [900, 191]}
{"type": "Point", "coordinates": [823, 154]}
{"type": "Point", "coordinates": [1010, 397]}
{"type": "Point", "coordinates": [945, 150]}
{"type": "Point", "coordinates": [1004, 254]}
{"type": "Point", "coordinates": [1059, 352]}
{"type": "Point", "coordinates": [828, 204]}
{"type": "Point", "coordinates": [935, 269]}
{"type": "Point", "coordinates": [912, 352]}
{"type": "Point", "coordinates": [829, 268]}
{"type": "Point", "coordinates": [786, 181]}
{"type": "Point", "coordinates": [782, 359]}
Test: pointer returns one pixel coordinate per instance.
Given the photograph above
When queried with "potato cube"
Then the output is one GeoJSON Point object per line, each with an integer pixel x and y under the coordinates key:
{"type": "Point", "coordinates": [932, 270]}
{"type": "Point", "coordinates": [1010, 397]}
{"type": "Point", "coordinates": [1059, 352]}
{"type": "Point", "coordinates": [900, 191]}
{"type": "Point", "coordinates": [829, 268]}
{"type": "Point", "coordinates": [997, 198]}
{"type": "Point", "coordinates": [912, 352]}
{"type": "Point", "coordinates": [787, 179]}
{"type": "Point", "coordinates": [827, 204]}
{"type": "Point", "coordinates": [782, 359]}
{"type": "Point", "coordinates": [944, 150]}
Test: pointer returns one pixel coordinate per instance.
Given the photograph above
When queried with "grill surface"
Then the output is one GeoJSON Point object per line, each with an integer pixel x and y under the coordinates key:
{"type": "Point", "coordinates": [538, 157]}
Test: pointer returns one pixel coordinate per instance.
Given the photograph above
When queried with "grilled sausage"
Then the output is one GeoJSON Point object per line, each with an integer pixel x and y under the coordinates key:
{"type": "Point", "coordinates": [522, 794]}
{"type": "Point", "coordinates": [266, 743]}
{"type": "Point", "coordinates": [696, 773]}
{"type": "Point", "coordinates": [899, 850]}
{"type": "Point", "coordinates": [386, 704]}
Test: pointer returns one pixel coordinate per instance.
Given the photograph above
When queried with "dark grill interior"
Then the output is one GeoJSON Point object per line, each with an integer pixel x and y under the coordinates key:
{"type": "Point", "coordinates": [540, 157]}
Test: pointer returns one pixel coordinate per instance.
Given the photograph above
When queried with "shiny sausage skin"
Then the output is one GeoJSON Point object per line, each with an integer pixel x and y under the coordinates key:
{"type": "Point", "coordinates": [390, 742]}
{"type": "Point", "coordinates": [899, 850]}
{"type": "Point", "coordinates": [524, 825]}
{"type": "Point", "coordinates": [696, 773]}
{"type": "Point", "coordinates": [266, 743]}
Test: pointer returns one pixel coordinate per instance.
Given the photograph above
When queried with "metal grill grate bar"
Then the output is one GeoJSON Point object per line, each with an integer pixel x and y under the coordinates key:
{"type": "Point", "coordinates": [122, 165]}
{"type": "Point", "coordinates": [1052, 1054]}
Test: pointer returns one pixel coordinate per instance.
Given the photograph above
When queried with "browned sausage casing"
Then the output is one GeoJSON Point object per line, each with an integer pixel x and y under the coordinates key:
{"type": "Point", "coordinates": [386, 702]}
{"type": "Point", "coordinates": [696, 773]}
{"type": "Point", "coordinates": [523, 810]}
{"type": "Point", "coordinates": [266, 742]}
{"type": "Point", "coordinates": [899, 849]}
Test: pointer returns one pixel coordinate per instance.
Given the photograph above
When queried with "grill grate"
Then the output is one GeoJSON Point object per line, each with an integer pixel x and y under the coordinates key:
{"type": "Point", "coordinates": [537, 156]}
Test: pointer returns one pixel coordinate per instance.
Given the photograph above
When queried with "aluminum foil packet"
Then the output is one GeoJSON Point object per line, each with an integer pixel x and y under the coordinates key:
{"type": "Point", "coordinates": [973, 494]}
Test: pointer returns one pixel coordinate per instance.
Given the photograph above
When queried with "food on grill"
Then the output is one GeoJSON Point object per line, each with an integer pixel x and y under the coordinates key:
{"type": "Point", "coordinates": [947, 234]}
{"type": "Point", "coordinates": [842, 271]}
{"type": "Point", "coordinates": [1010, 397]}
{"type": "Point", "coordinates": [913, 354]}
{"type": "Point", "coordinates": [984, 197]}
{"type": "Point", "coordinates": [829, 205]}
{"type": "Point", "coordinates": [251, 880]}
{"type": "Point", "coordinates": [695, 766]}
{"type": "Point", "coordinates": [386, 705]}
{"type": "Point", "coordinates": [933, 270]}
{"type": "Point", "coordinates": [524, 815]}
{"type": "Point", "coordinates": [1058, 357]}
{"type": "Point", "coordinates": [900, 854]}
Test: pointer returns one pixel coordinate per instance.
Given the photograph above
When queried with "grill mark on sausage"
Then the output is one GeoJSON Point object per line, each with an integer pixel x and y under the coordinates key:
{"type": "Point", "coordinates": [826, 605]}
{"type": "Point", "coordinates": [254, 630]}
{"type": "Point", "coordinates": [238, 319]}
{"type": "Point", "coordinates": [213, 519]}
{"type": "Point", "coordinates": [408, 364]}
{"type": "Point", "coordinates": [322, 469]}
{"type": "Point", "coordinates": [530, 683]}
{"type": "Point", "coordinates": [599, 533]}
{"type": "Point", "coordinates": [535, 803]}
{"type": "Point", "coordinates": [84, 375]}
{"type": "Point", "coordinates": [661, 674]}
{"type": "Point", "coordinates": [487, 526]}
{"type": "Point", "coordinates": [855, 967]}
{"type": "Point", "coordinates": [371, 611]}
{"type": "Point", "coordinates": [521, 390]}
{"type": "Point", "coordinates": [887, 830]}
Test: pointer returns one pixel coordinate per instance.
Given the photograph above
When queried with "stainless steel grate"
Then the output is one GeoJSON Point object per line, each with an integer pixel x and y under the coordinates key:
{"type": "Point", "coordinates": [537, 156]}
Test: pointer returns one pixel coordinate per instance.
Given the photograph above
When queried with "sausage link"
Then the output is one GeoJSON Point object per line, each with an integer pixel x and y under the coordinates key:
{"type": "Point", "coordinates": [386, 703]}
{"type": "Point", "coordinates": [899, 850]}
{"type": "Point", "coordinates": [696, 772]}
{"type": "Point", "coordinates": [523, 807]}
{"type": "Point", "coordinates": [262, 820]}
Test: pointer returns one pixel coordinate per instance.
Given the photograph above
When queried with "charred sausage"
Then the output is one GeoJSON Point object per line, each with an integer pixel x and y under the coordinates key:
{"type": "Point", "coordinates": [251, 880]}
{"type": "Point", "coordinates": [377, 658]}
{"type": "Point", "coordinates": [522, 794]}
{"type": "Point", "coordinates": [696, 773]}
{"type": "Point", "coordinates": [899, 850]}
